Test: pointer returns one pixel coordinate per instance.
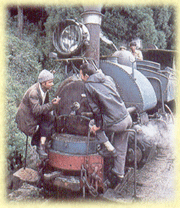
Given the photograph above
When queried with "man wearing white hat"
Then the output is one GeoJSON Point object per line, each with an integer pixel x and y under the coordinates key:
{"type": "Point", "coordinates": [34, 116]}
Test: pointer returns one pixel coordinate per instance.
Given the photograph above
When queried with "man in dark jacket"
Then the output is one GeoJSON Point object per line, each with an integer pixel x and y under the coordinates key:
{"type": "Point", "coordinates": [34, 116]}
{"type": "Point", "coordinates": [110, 114]}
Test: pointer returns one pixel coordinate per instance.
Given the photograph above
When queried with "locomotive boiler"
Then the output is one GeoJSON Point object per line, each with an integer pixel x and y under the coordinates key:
{"type": "Point", "coordinates": [147, 88]}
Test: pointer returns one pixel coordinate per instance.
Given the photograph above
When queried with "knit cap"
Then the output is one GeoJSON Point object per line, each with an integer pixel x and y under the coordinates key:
{"type": "Point", "coordinates": [45, 75]}
{"type": "Point", "coordinates": [133, 44]}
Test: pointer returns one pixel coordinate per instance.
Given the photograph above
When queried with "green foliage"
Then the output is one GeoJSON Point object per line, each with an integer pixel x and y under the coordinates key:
{"type": "Point", "coordinates": [25, 59]}
{"type": "Point", "coordinates": [164, 18]}
{"type": "Point", "coordinates": [23, 67]}
{"type": "Point", "coordinates": [22, 70]}
{"type": "Point", "coordinates": [154, 25]}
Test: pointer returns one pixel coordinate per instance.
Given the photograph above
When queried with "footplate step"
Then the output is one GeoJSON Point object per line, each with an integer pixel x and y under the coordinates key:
{"type": "Point", "coordinates": [120, 186]}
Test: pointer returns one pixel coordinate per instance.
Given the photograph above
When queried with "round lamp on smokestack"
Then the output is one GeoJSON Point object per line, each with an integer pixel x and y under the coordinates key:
{"type": "Point", "coordinates": [70, 38]}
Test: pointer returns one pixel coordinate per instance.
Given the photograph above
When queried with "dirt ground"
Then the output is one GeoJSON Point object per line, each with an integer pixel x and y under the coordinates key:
{"type": "Point", "coordinates": [157, 178]}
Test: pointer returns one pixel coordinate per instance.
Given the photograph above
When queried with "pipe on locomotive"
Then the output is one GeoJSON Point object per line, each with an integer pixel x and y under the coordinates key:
{"type": "Point", "coordinates": [92, 19]}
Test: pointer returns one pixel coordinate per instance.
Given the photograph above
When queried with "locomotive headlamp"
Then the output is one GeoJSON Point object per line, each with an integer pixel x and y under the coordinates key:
{"type": "Point", "coordinates": [70, 38]}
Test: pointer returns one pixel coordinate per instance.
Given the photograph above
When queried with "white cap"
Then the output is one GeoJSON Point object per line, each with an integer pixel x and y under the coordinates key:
{"type": "Point", "coordinates": [45, 75]}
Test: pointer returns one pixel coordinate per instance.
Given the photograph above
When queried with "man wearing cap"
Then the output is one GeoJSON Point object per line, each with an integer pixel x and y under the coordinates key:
{"type": "Point", "coordinates": [136, 53]}
{"type": "Point", "coordinates": [34, 116]}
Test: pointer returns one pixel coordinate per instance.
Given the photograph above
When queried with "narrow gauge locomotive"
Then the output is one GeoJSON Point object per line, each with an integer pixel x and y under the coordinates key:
{"type": "Point", "coordinates": [147, 87]}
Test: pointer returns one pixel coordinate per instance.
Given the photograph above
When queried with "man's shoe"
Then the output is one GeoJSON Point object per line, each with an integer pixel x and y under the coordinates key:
{"type": "Point", "coordinates": [106, 153]}
{"type": "Point", "coordinates": [42, 152]}
{"type": "Point", "coordinates": [115, 172]}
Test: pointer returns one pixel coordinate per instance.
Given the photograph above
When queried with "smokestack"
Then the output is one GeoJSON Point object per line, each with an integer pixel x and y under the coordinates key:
{"type": "Point", "coordinates": [92, 18]}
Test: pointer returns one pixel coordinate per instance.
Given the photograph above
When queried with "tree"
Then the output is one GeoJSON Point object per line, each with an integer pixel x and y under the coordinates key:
{"type": "Point", "coordinates": [20, 21]}
{"type": "Point", "coordinates": [154, 25]}
{"type": "Point", "coordinates": [164, 19]}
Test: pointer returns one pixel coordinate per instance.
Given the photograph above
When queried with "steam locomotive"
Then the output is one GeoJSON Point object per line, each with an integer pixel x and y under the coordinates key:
{"type": "Point", "coordinates": [147, 88]}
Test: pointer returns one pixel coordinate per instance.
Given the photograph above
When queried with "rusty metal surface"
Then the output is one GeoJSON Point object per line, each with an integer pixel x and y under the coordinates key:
{"type": "Point", "coordinates": [65, 162]}
{"type": "Point", "coordinates": [91, 168]}
{"type": "Point", "coordinates": [72, 162]}
{"type": "Point", "coordinates": [92, 20]}
{"type": "Point", "coordinates": [93, 50]}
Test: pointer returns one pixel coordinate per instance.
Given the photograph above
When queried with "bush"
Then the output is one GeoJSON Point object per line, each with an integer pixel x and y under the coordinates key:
{"type": "Point", "coordinates": [23, 66]}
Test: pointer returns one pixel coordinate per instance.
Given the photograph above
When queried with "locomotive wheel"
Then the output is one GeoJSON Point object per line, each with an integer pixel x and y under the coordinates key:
{"type": "Point", "coordinates": [144, 152]}
{"type": "Point", "coordinates": [130, 154]}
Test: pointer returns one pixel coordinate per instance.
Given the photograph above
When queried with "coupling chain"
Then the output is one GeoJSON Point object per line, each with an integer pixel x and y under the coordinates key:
{"type": "Point", "coordinates": [91, 189]}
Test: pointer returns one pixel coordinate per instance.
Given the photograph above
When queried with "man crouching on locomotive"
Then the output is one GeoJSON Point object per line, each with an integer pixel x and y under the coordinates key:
{"type": "Point", "coordinates": [110, 115]}
{"type": "Point", "coordinates": [34, 116]}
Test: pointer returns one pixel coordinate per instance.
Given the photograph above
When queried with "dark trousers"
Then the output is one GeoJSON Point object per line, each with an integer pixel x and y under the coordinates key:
{"type": "Point", "coordinates": [46, 129]}
{"type": "Point", "coordinates": [120, 141]}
